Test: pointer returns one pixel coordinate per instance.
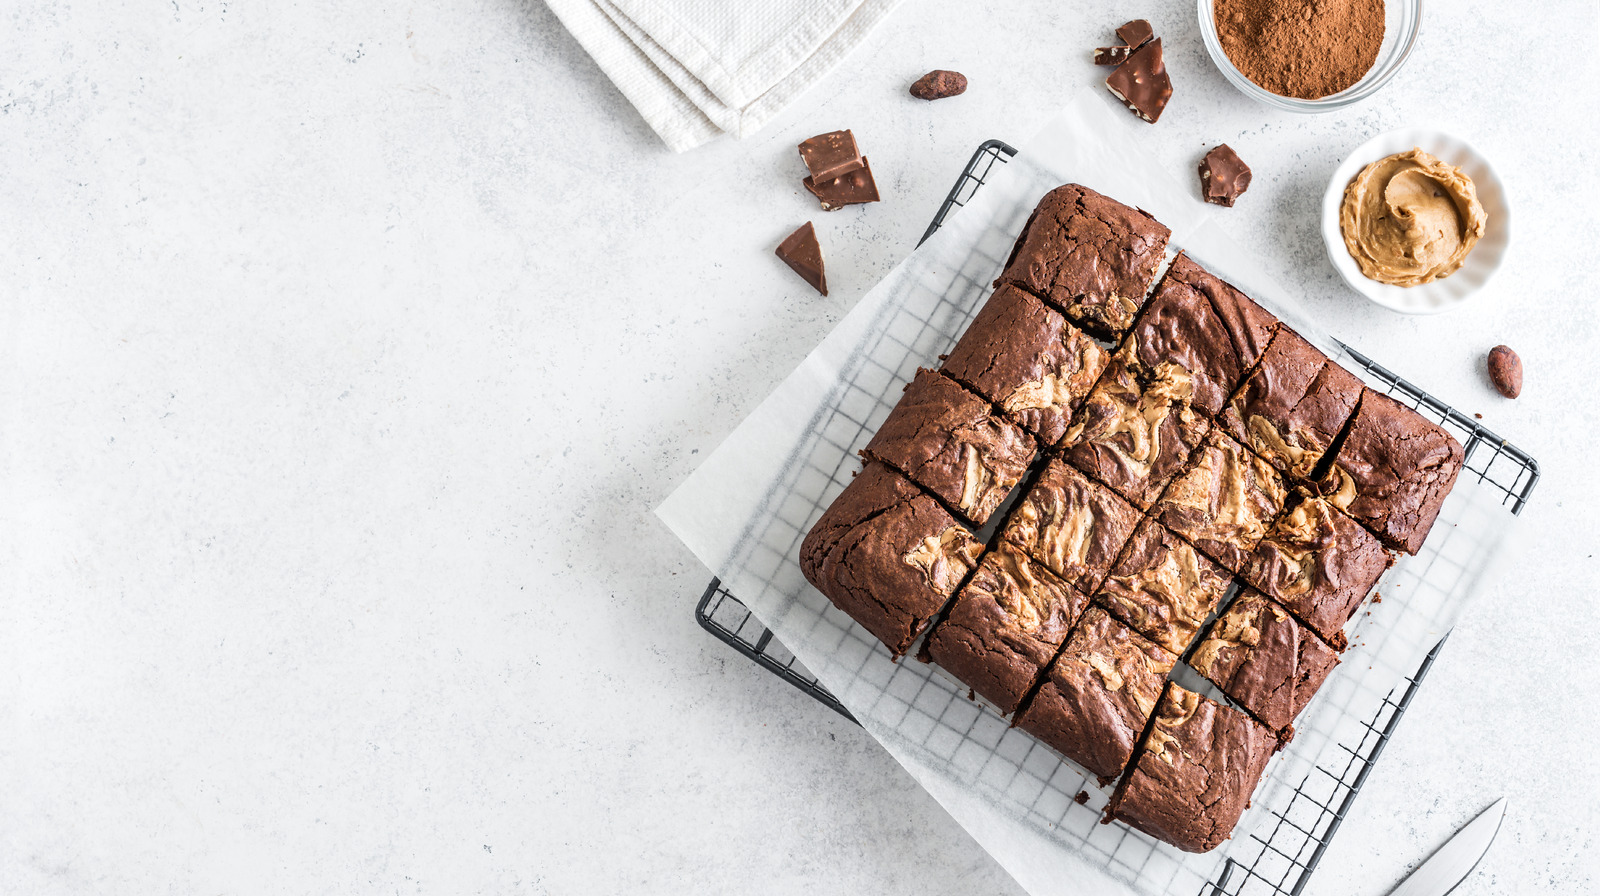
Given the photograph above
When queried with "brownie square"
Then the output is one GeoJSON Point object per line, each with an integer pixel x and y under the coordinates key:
{"type": "Point", "coordinates": [1393, 471]}
{"type": "Point", "coordinates": [1203, 325]}
{"type": "Point", "coordinates": [1073, 526]}
{"type": "Point", "coordinates": [1090, 256]}
{"type": "Point", "coordinates": [1163, 587]}
{"type": "Point", "coordinates": [1264, 659]}
{"type": "Point", "coordinates": [1224, 502]}
{"type": "Point", "coordinates": [950, 442]}
{"type": "Point", "coordinates": [1099, 694]}
{"type": "Point", "coordinates": [1024, 357]}
{"type": "Point", "coordinates": [1293, 405]}
{"type": "Point", "coordinates": [888, 555]}
{"type": "Point", "coordinates": [1193, 779]}
{"type": "Point", "coordinates": [1320, 564]}
{"type": "Point", "coordinates": [1005, 626]}
{"type": "Point", "coordinates": [1135, 437]}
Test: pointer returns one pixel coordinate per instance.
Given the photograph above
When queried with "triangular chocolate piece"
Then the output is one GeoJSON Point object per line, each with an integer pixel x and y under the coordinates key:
{"type": "Point", "coordinates": [1142, 83]}
{"type": "Point", "coordinates": [802, 253]}
{"type": "Point", "coordinates": [831, 155]}
{"type": "Point", "coordinates": [849, 189]}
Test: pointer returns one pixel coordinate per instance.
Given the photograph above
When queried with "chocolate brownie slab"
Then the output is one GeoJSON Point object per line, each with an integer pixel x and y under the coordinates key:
{"type": "Point", "coordinates": [1192, 781]}
{"type": "Point", "coordinates": [1224, 502]}
{"type": "Point", "coordinates": [1099, 694]}
{"type": "Point", "coordinates": [1293, 405]}
{"type": "Point", "coordinates": [1264, 659]}
{"type": "Point", "coordinates": [1204, 325]}
{"type": "Point", "coordinates": [1025, 357]}
{"type": "Point", "coordinates": [950, 442]}
{"type": "Point", "coordinates": [888, 555]}
{"type": "Point", "coordinates": [1073, 526]}
{"type": "Point", "coordinates": [1005, 626]}
{"type": "Point", "coordinates": [1393, 471]}
{"type": "Point", "coordinates": [1320, 564]}
{"type": "Point", "coordinates": [1135, 437]}
{"type": "Point", "coordinates": [1163, 587]}
{"type": "Point", "coordinates": [1090, 256]}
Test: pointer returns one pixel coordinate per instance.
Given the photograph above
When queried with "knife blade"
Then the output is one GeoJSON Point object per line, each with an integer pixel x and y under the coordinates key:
{"type": "Point", "coordinates": [1452, 862]}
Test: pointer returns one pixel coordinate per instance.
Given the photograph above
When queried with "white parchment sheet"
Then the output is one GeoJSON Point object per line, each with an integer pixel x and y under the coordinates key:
{"type": "Point", "coordinates": [746, 509]}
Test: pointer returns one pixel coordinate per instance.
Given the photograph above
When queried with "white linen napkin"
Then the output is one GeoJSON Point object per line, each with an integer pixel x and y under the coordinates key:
{"type": "Point", "coordinates": [696, 69]}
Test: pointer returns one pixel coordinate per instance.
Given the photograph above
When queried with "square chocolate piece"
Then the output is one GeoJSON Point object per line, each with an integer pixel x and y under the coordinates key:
{"type": "Point", "coordinates": [1223, 176]}
{"type": "Point", "coordinates": [1071, 525]}
{"type": "Point", "coordinates": [1163, 587]}
{"type": "Point", "coordinates": [1203, 325]}
{"type": "Point", "coordinates": [1320, 564]}
{"type": "Point", "coordinates": [1099, 694]}
{"type": "Point", "coordinates": [951, 443]}
{"type": "Point", "coordinates": [1293, 405]}
{"type": "Point", "coordinates": [831, 155]}
{"type": "Point", "coordinates": [1200, 763]}
{"type": "Point", "coordinates": [1393, 471]}
{"type": "Point", "coordinates": [1092, 257]}
{"type": "Point", "coordinates": [1264, 659]}
{"type": "Point", "coordinates": [1005, 626]}
{"type": "Point", "coordinates": [1135, 437]}
{"type": "Point", "coordinates": [888, 555]}
{"type": "Point", "coordinates": [1028, 360]}
{"type": "Point", "coordinates": [1225, 502]}
{"type": "Point", "coordinates": [852, 188]}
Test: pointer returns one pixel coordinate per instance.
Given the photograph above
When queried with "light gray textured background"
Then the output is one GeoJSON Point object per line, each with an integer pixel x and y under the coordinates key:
{"type": "Point", "coordinates": [348, 349]}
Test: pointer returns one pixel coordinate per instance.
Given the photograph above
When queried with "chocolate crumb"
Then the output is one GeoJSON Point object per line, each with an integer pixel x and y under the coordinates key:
{"type": "Point", "coordinates": [1082, 798]}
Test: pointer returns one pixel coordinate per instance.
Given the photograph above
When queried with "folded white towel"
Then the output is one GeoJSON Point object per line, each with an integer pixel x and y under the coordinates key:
{"type": "Point", "coordinates": [699, 68]}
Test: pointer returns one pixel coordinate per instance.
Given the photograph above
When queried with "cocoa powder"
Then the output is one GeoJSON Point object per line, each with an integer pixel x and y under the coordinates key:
{"type": "Point", "coordinates": [1301, 48]}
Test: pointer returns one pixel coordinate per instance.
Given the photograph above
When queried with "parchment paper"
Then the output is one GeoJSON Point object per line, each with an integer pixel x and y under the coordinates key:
{"type": "Point", "coordinates": [746, 509]}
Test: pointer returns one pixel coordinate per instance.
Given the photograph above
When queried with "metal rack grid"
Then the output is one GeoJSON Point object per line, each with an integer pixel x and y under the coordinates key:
{"type": "Point", "coordinates": [1278, 856]}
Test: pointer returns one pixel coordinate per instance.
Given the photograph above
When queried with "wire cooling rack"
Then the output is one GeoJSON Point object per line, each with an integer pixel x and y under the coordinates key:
{"type": "Point", "coordinates": [1278, 855]}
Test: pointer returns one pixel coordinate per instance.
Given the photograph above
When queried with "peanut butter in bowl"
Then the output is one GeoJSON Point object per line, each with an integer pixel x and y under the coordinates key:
{"type": "Point", "coordinates": [1409, 219]}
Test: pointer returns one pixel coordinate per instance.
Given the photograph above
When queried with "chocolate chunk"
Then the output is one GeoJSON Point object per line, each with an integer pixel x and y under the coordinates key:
{"type": "Point", "coordinates": [801, 252]}
{"type": "Point", "coordinates": [1112, 55]}
{"type": "Point", "coordinates": [831, 155]}
{"type": "Point", "coordinates": [1142, 83]}
{"type": "Point", "coordinates": [1223, 176]}
{"type": "Point", "coordinates": [1136, 33]}
{"type": "Point", "coordinates": [849, 189]}
{"type": "Point", "coordinates": [938, 84]}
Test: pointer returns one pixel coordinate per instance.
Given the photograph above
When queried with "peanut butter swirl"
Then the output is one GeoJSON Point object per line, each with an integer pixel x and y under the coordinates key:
{"type": "Point", "coordinates": [945, 558]}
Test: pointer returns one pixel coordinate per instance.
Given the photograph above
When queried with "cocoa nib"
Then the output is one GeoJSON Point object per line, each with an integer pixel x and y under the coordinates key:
{"type": "Point", "coordinates": [1505, 371]}
{"type": "Point", "coordinates": [938, 84]}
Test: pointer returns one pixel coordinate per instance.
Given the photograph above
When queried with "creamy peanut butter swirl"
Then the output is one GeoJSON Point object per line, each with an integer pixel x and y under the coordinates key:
{"type": "Point", "coordinates": [1029, 602]}
{"type": "Point", "coordinates": [1124, 411]}
{"type": "Point", "coordinates": [945, 558]}
{"type": "Point", "coordinates": [1221, 492]}
{"type": "Point", "coordinates": [1176, 710]}
{"type": "Point", "coordinates": [1298, 453]}
{"type": "Point", "coordinates": [1174, 582]}
{"type": "Point", "coordinates": [1298, 538]}
{"type": "Point", "coordinates": [1239, 627]}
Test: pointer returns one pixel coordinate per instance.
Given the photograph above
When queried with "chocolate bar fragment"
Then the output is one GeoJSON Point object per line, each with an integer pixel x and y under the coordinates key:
{"type": "Point", "coordinates": [846, 189]}
{"type": "Point", "coordinates": [1142, 83]}
{"type": "Point", "coordinates": [831, 155]}
{"type": "Point", "coordinates": [1136, 33]}
{"type": "Point", "coordinates": [803, 254]}
{"type": "Point", "coordinates": [1223, 176]}
{"type": "Point", "coordinates": [1112, 55]}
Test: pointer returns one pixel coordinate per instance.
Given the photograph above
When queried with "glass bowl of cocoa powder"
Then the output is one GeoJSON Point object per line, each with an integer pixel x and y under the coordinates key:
{"type": "Point", "coordinates": [1309, 55]}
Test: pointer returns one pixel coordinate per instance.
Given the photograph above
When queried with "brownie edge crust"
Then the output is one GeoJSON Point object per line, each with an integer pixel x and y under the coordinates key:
{"type": "Point", "coordinates": [888, 555]}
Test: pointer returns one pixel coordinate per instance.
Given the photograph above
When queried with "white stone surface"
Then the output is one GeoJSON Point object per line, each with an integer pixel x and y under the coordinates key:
{"type": "Point", "coordinates": [348, 347]}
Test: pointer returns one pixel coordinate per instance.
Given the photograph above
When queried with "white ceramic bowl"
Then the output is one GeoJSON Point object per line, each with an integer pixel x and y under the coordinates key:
{"type": "Point", "coordinates": [1481, 262]}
